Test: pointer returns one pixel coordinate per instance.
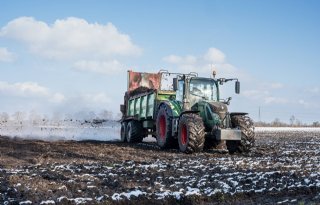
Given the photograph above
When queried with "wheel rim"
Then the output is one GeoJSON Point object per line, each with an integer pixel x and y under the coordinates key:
{"type": "Point", "coordinates": [184, 135]}
{"type": "Point", "coordinates": [163, 126]}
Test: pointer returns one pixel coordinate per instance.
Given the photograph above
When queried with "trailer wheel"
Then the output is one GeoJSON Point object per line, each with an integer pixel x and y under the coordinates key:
{"type": "Point", "coordinates": [191, 133]}
{"type": "Point", "coordinates": [164, 127]}
{"type": "Point", "coordinates": [123, 131]}
{"type": "Point", "coordinates": [244, 123]}
{"type": "Point", "coordinates": [134, 132]}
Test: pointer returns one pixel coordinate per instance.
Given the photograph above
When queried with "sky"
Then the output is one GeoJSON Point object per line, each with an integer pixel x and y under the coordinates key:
{"type": "Point", "coordinates": [72, 56]}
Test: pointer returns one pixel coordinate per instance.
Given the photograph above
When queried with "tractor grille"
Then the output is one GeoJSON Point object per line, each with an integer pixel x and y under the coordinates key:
{"type": "Point", "coordinates": [222, 110]}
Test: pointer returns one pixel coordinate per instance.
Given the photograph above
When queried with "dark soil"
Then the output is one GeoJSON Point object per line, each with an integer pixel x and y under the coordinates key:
{"type": "Point", "coordinates": [283, 168]}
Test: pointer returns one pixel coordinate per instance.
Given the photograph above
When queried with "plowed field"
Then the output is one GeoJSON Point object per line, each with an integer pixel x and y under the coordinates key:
{"type": "Point", "coordinates": [283, 168]}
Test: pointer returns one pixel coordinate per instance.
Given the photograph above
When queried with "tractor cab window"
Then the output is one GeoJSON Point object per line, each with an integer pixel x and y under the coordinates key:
{"type": "Point", "coordinates": [203, 89]}
{"type": "Point", "coordinates": [179, 92]}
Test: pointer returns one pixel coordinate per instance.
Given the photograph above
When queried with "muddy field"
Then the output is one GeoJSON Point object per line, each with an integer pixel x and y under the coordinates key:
{"type": "Point", "coordinates": [284, 168]}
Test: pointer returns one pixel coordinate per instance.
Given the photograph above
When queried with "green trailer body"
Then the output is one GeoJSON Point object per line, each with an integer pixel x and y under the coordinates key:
{"type": "Point", "coordinates": [142, 107]}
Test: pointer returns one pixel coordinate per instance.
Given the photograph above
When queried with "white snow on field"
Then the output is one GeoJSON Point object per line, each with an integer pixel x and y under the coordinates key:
{"type": "Point", "coordinates": [47, 202]}
{"type": "Point", "coordinates": [287, 129]}
{"type": "Point", "coordinates": [25, 202]}
{"type": "Point", "coordinates": [106, 131]}
{"type": "Point", "coordinates": [75, 200]}
{"type": "Point", "coordinates": [128, 195]}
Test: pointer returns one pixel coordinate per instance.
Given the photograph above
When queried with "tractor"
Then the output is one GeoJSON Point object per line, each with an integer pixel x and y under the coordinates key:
{"type": "Point", "coordinates": [188, 115]}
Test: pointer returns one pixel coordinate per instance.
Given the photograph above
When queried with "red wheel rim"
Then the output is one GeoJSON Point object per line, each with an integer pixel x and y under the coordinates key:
{"type": "Point", "coordinates": [184, 134]}
{"type": "Point", "coordinates": [163, 126]}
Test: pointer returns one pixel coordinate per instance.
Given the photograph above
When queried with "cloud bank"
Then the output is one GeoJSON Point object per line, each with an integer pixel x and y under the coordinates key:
{"type": "Point", "coordinates": [212, 59]}
{"type": "Point", "coordinates": [69, 38]}
{"type": "Point", "coordinates": [88, 47]}
{"type": "Point", "coordinates": [30, 90]}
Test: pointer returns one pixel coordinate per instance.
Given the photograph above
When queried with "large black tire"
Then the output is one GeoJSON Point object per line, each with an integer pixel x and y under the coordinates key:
{"type": "Point", "coordinates": [123, 132]}
{"type": "Point", "coordinates": [134, 132]}
{"type": "Point", "coordinates": [245, 124]}
{"type": "Point", "coordinates": [164, 127]}
{"type": "Point", "coordinates": [191, 133]}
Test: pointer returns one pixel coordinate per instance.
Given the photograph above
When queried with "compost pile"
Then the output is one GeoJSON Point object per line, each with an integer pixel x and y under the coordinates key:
{"type": "Point", "coordinates": [283, 168]}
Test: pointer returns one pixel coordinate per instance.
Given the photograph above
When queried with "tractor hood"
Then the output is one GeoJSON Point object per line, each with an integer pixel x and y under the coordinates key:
{"type": "Point", "coordinates": [219, 108]}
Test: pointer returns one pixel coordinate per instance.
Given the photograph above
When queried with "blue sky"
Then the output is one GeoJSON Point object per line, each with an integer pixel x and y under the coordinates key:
{"type": "Point", "coordinates": [68, 56]}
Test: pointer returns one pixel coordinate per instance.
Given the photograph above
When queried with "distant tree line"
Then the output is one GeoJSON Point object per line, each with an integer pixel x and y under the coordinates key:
{"type": "Point", "coordinates": [293, 122]}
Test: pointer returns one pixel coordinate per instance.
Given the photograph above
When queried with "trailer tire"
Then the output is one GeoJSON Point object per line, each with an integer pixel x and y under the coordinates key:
{"type": "Point", "coordinates": [191, 133]}
{"type": "Point", "coordinates": [164, 127]}
{"type": "Point", "coordinates": [134, 132]}
{"type": "Point", "coordinates": [245, 124]}
{"type": "Point", "coordinates": [123, 132]}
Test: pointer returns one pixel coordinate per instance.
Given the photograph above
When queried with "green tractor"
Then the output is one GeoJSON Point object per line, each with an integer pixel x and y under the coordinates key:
{"type": "Point", "coordinates": [189, 115]}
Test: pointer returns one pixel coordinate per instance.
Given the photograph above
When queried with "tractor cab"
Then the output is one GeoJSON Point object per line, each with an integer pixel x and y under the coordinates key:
{"type": "Point", "coordinates": [197, 89]}
{"type": "Point", "coordinates": [191, 90]}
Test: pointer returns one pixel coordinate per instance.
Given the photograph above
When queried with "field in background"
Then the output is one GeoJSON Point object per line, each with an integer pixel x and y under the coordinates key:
{"type": "Point", "coordinates": [287, 129]}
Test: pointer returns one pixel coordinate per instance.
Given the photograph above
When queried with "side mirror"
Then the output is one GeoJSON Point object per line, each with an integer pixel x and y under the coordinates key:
{"type": "Point", "coordinates": [175, 84]}
{"type": "Point", "coordinates": [237, 87]}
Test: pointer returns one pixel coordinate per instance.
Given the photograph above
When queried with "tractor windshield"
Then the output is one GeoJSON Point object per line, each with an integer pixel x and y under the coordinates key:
{"type": "Point", "coordinates": [204, 88]}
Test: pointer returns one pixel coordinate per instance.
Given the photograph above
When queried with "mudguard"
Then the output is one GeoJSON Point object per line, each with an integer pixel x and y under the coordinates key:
{"type": "Point", "coordinates": [174, 107]}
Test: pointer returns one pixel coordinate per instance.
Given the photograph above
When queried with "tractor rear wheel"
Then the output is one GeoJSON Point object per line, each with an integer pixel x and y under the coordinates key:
{"type": "Point", "coordinates": [191, 133]}
{"type": "Point", "coordinates": [164, 127]}
{"type": "Point", "coordinates": [245, 124]}
{"type": "Point", "coordinates": [123, 131]}
{"type": "Point", "coordinates": [134, 132]}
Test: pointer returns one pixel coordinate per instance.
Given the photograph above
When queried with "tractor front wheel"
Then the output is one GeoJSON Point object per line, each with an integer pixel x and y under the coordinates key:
{"type": "Point", "coordinates": [191, 134]}
{"type": "Point", "coordinates": [245, 124]}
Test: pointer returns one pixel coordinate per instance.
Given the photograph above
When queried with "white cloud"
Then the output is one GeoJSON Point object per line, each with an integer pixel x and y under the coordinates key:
{"type": "Point", "coordinates": [173, 59]}
{"type": "Point", "coordinates": [302, 102]}
{"type": "Point", "coordinates": [23, 89]}
{"type": "Point", "coordinates": [264, 96]}
{"type": "Point", "coordinates": [29, 90]}
{"type": "Point", "coordinates": [308, 104]}
{"type": "Point", "coordinates": [189, 59]}
{"type": "Point", "coordinates": [70, 38]}
{"type": "Point", "coordinates": [276, 85]}
{"type": "Point", "coordinates": [5, 55]}
{"type": "Point", "coordinates": [103, 67]}
{"type": "Point", "coordinates": [255, 94]}
{"type": "Point", "coordinates": [314, 90]}
{"type": "Point", "coordinates": [276, 100]}
{"type": "Point", "coordinates": [58, 98]}
{"type": "Point", "coordinates": [214, 55]}
{"type": "Point", "coordinates": [212, 59]}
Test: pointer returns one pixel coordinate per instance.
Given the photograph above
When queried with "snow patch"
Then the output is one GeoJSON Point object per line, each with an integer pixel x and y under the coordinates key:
{"type": "Point", "coordinates": [192, 191]}
{"type": "Point", "coordinates": [128, 195]}
{"type": "Point", "coordinates": [47, 202]}
{"type": "Point", "coordinates": [25, 202]}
